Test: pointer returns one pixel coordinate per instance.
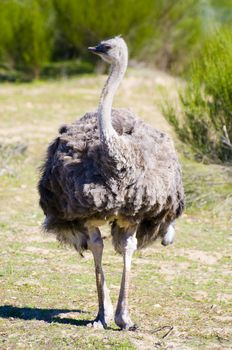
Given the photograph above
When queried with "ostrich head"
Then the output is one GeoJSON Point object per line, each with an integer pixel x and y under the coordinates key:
{"type": "Point", "coordinates": [113, 51]}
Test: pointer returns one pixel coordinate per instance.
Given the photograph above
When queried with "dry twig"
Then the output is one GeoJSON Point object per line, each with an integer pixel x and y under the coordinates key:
{"type": "Point", "coordinates": [170, 328]}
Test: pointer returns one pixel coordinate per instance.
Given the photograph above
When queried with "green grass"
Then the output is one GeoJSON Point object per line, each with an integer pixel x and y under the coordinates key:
{"type": "Point", "coordinates": [48, 292]}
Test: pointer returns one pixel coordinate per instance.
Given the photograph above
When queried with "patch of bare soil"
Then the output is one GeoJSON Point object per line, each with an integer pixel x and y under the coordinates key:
{"type": "Point", "coordinates": [201, 256]}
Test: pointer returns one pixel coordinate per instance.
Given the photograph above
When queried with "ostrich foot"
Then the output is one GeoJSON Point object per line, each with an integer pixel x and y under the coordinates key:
{"type": "Point", "coordinates": [98, 324]}
{"type": "Point", "coordinates": [101, 321]}
{"type": "Point", "coordinates": [124, 322]}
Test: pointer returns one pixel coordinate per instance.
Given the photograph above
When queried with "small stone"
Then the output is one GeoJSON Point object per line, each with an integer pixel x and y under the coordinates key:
{"type": "Point", "coordinates": [157, 305]}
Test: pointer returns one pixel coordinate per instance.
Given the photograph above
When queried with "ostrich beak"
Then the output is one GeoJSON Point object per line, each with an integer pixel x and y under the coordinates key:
{"type": "Point", "coordinates": [92, 49]}
{"type": "Point", "coordinates": [99, 49]}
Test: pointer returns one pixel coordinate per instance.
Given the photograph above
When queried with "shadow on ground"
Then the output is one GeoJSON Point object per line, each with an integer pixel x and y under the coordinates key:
{"type": "Point", "coordinates": [47, 315]}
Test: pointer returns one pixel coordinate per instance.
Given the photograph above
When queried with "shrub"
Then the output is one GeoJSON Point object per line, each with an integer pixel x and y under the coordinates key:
{"type": "Point", "coordinates": [25, 39]}
{"type": "Point", "coordinates": [65, 69]}
{"type": "Point", "coordinates": [80, 23]}
{"type": "Point", "coordinates": [206, 102]}
{"type": "Point", "coordinates": [156, 31]}
{"type": "Point", "coordinates": [163, 32]}
{"type": "Point", "coordinates": [11, 75]}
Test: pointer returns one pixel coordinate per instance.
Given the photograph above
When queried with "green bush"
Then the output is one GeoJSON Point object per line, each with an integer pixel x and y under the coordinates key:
{"type": "Point", "coordinates": [179, 35]}
{"type": "Point", "coordinates": [33, 32]}
{"type": "Point", "coordinates": [80, 23]}
{"type": "Point", "coordinates": [25, 34]}
{"type": "Point", "coordinates": [157, 31]}
{"type": "Point", "coordinates": [65, 69]}
{"type": "Point", "coordinates": [166, 33]}
{"type": "Point", "coordinates": [8, 74]}
{"type": "Point", "coordinates": [206, 119]}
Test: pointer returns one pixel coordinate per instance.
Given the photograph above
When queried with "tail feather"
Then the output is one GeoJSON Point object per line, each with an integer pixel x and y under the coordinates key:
{"type": "Point", "coordinates": [72, 233]}
{"type": "Point", "coordinates": [169, 236]}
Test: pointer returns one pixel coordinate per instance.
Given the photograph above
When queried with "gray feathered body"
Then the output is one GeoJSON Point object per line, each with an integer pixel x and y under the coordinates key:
{"type": "Point", "coordinates": [135, 178]}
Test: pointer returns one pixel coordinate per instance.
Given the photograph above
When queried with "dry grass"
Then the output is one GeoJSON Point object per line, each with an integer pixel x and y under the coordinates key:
{"type": "Point", "coordinates": [48, 293]}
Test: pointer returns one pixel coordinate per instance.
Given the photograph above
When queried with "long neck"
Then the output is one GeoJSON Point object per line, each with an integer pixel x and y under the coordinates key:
{"type": "Point", "coordinates": [105, 106]}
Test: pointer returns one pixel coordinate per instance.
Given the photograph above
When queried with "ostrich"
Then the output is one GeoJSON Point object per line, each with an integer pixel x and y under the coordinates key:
{"type": "Point", "coordinates": [109, 166]}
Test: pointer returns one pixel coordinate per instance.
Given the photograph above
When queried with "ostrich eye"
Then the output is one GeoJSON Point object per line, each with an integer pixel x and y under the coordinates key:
{"type": "Point", "coordinates": [107, 47]}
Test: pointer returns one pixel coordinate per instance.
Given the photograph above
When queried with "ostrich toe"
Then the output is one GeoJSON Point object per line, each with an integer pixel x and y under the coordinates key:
{"type": "Point", "coordinates": [124, 322]}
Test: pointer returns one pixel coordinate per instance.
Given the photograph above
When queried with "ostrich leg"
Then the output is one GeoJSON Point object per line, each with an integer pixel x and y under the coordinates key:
{"type": "Point", "coordinates": [129, 245]}
{"type": "Point", "coordinates": [105, 311]}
